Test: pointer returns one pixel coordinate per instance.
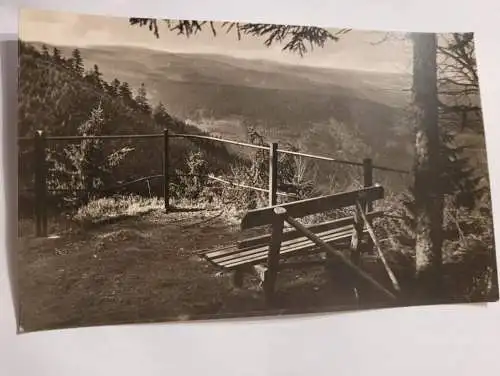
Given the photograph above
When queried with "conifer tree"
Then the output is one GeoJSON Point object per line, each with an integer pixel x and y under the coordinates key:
{"type": "Point", "coordinates": [161, 116]}
{"type": "Point", "coordinates": [142, 100]}
{"type": "Point", "coordinates": [125, 92]}
{"type": "Point", "coordinates": [94, 76]}
{"type": "Point", "coordinates": [45, 51]}
{"type": "Point", "coordinates": [77, 62]}
{"type": "Point", "coordinates": [56, 54]}
{"type": "Point", "coordinates": [114, 87]}
{"type": "Point", "coordinates": [85, 167]}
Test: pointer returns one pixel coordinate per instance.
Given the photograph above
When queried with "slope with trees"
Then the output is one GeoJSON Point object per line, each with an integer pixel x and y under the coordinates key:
{"type": "Point", "coordinates": [58, 96]}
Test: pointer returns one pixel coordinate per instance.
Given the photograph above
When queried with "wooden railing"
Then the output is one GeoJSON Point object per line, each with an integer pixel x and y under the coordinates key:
{"type": "Point", "coordinates": [40, 140]}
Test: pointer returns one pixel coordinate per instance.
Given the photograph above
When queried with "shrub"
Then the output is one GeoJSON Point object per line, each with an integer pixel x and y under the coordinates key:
{"type": "Point", "coordinates": [83, 169]}
{"type": "Point", "coordinates": [197, 171]}
{"type": "Point", "coordinates": [109, 208]}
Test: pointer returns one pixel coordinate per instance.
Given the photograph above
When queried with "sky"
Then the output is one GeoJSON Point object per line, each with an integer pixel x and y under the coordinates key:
{"type": "Point", "coordinates": [360, 50]}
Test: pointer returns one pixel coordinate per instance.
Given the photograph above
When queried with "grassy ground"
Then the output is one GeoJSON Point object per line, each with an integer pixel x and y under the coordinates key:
{"type": "Point", "coordinates": [144, 268]}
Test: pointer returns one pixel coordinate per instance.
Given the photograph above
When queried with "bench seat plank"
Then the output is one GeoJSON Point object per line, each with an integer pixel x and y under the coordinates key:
{"type": "Point", "coordinates": [221, 254]}
{"type": "Point", "coordinates": [297, 242]}
{"type": "Point", "coordinates": [293, 250]}
{"type": "Point", "coordinates": [234, 257]}
{"type": "Point", "coordinates": [257, 242]}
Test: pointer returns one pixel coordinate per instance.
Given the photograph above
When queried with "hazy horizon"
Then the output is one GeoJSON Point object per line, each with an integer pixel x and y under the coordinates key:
{"type": "Point", "coordinates": [357, 50]}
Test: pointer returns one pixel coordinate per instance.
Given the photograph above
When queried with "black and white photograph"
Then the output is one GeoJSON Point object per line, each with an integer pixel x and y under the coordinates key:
{"type": "Point", "coordinates": [175, 170]}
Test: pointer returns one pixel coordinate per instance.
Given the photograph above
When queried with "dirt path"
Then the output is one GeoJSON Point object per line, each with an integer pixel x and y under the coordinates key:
{"type": "Point", "coordinates": [142, 270]}
{"type": "Point", "coordinates": [137, 270]}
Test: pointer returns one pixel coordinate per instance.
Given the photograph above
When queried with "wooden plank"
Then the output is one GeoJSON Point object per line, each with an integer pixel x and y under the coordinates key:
{"type": "Point", "coordinates": [297, 249]}
{"type": "Point", "coordinates": [273, 258]}
{"type": "Point", "coordinates": [273, 173]}
{"type": "Point", "coordinates": [355, 248]}
{"type": "Point", "coordinates": [388, 269]}
{"type": "Point", "coordinates": [356, 237]}
{"type": "Point", "coordinates": [204, 251]}
{"type": "Point", "coordinates": [367, 181]}
{"type": "Point", "coordinates": [345, 260]}
{"type": "Point", "coordinates": [40, 183]}
{"type": "Point", "coordinates": [187, 135]}
{"type": "Point", "coordinates": [166, 177]}
{"type": "Point", "coordinates": [285, 251]}
{"type": "Point", "coordinates": [103, 137]}
{"type": "Point", "coordinates": [238, 277]}
{"type": "Point", "coordinates": [302, 208]}
{"type": "Point", "coordinates": [38, 152]}
{"type": "Point", "coordinates": [286, 243]}
{"type": "Point", "coordinates": [217, 253]}
{"type": "Point", "coordinates": [297, 242]}
{"type": "Point", "coordinates": [316, 228]}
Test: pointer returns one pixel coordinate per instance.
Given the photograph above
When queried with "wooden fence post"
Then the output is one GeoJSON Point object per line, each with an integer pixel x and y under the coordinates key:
{"type": "Point", "coordinates": [368, 180]}
{"type": "Point", "coordinates": [40, 184]}
{"type": "Point", "coordinates": [166, 177]}
{"type": "Point", "coordinates": [273, 173]}
{"type": "Point", "coordinates": [273, 257]}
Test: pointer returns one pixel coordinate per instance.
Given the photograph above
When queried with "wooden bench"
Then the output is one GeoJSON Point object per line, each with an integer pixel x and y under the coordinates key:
{"type": "Point", "coordinates": [266, 254]}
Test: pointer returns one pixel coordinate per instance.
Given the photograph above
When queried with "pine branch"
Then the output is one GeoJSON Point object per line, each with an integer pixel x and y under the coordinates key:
{"type": "Point", "coordinates": [296, 39]}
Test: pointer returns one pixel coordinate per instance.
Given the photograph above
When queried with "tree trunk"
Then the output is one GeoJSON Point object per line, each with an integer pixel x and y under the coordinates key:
{"type": "Point", "coordinates": [427, 181]}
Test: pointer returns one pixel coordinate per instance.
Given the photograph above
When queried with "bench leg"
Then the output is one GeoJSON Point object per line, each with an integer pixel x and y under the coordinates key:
{"type": "Point", "coordinates": [270, 277]}
{"type": "Point", "coordinates": [355, 250]}
{"type": "Point", "coordinates": [273, 256]}
{"type": "Point", "coordinates": [238, 278]}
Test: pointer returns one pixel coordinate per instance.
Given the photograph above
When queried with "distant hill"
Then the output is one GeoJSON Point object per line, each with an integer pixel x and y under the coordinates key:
{"type": "Point", "coordinates": [225, 95]}
{"type": "Point", "coordinates": [57, 93]}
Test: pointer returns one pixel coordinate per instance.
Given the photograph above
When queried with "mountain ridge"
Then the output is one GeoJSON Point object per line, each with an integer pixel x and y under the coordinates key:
{"type": "Point", "coordinates": [227, 94]}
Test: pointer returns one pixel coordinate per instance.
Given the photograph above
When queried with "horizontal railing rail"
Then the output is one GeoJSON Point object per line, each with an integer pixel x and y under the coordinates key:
{"type": "Point", "coordinates": [212, 138]}
{"type": "Point", "coordinates": [40, 141]}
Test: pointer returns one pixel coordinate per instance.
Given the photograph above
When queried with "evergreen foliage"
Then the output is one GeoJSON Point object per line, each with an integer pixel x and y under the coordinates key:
{"type": "Point", "coordinates": [468, 248]}
{"type": "Point", "coordinates": [82, 170]}
{"type": "Point", "coordinates": [296, 39]}
{"type": "Point", "coordinates": [77, 61]}
{"type": "Point", "coordinates": [57, 96]}
{"type": "Point", "coordinates": [141, 99]}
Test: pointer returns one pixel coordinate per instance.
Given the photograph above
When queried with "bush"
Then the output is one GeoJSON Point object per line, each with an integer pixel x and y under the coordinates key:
{"type": "Point", "coordinates": [110, 208]}
{"type": "Point", "coordinates": [83, 169]}
{"type": "Point", "coordinates": [197, 171]}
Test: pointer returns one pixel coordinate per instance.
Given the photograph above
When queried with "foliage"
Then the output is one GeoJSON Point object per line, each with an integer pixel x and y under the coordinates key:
{"type": "Point", "coordinates": [109, 208]}
{"type": "Point", "coordinates": [295, 38]}
{"type": "Point", "coordinates": [468, 247]}
{"type": "Point", "coordinates": [141, 99]}
{"type": "Point", "coordinates": [77, 62]}
{"type": "Point", "coordinates": [84, 169]}
{"type": "Point", "coordinates": [56, 97]}
{"type": "Point", "coordinates": [293, 177]}
{"type": "Point", "coordinates": [194, 180]}
{"type": "Point", "coordinates": [459, 81]}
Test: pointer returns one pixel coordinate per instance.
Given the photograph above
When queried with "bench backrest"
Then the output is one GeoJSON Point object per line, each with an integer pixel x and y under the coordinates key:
{"type": "Point", "coordinates": [303, 208]}
{"type": "Point", "coordinates": [289, 234]}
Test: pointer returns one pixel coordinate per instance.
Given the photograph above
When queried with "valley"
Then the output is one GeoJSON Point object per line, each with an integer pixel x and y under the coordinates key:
{"type": "Point", "coordinates": [303, 105]}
